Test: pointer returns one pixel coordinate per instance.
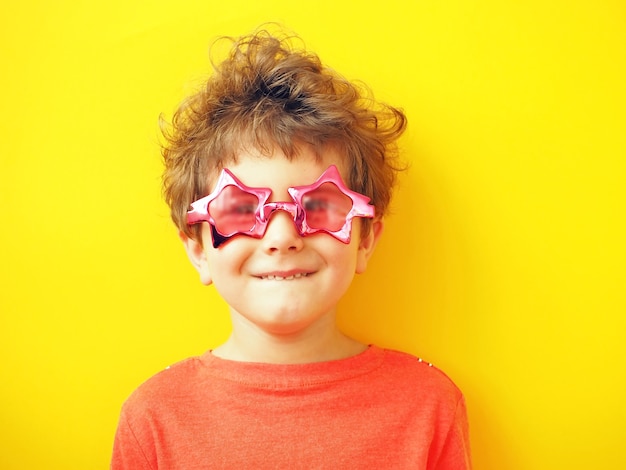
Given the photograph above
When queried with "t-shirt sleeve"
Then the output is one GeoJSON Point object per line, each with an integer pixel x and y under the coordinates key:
{"type": "Point", "coordinates": [127, 453]}
{"type": "Point", "coordinates": [455, 453]}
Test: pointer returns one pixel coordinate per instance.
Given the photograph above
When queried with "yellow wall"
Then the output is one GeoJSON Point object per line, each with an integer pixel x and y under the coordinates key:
{"type": "Point", "coordinates": [504, 263]}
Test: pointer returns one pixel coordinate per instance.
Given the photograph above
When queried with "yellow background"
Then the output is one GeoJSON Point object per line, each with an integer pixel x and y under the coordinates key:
{"type": "Point", "coordinates": [503, 264]}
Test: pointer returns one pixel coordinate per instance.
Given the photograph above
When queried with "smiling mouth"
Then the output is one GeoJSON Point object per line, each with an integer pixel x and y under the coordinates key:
{"type": "Point", "coordinates": [271, 277]}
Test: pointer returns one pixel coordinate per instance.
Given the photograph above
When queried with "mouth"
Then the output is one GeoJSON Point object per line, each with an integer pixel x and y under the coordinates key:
{"type": "Point", "coordinates": [284, 277]}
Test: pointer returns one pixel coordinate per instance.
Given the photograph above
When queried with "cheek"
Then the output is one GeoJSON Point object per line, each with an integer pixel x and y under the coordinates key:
{"type": "Point", "coordinates": [340, 255]}
{"type": "Point", "coordinates": [230, 257]}
{"type": "Point", "coordinates": [222, 262]}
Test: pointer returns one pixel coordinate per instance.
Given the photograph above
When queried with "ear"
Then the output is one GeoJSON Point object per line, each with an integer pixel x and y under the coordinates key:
{"type": "Point", "coordinates": [367, 245]}
{"type": "Point", "coordinates": [197, 256]}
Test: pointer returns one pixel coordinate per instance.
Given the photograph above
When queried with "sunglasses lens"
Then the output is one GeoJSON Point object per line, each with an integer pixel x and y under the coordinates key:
{"type": "Point", "coordinates": [234, 210]}
{"type": "Point", "coordinates": [326, 207]}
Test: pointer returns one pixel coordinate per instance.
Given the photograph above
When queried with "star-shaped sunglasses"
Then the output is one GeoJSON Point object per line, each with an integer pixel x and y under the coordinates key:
{"type": "Point", "coordinates": [233, 208]}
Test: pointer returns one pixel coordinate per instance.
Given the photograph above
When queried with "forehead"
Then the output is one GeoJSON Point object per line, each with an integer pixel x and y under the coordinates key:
{"type": "Point", "coordinates": [279, 172]}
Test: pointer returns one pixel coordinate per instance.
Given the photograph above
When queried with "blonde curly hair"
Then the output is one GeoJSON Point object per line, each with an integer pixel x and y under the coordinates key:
{"type": "Point", "coordinates": [270, 92]}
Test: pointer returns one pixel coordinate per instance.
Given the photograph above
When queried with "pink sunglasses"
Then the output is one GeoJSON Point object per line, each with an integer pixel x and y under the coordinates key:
{"type": "Point", "coordinates": [236, 209]}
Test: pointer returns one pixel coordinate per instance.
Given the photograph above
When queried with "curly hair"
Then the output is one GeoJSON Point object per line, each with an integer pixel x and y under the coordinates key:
{"type": "Point", "coordinates": [270, 94]}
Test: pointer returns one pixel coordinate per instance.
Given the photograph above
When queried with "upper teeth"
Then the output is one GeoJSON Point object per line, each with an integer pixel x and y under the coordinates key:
{"type": "Point", "coordinates": [281, 278]}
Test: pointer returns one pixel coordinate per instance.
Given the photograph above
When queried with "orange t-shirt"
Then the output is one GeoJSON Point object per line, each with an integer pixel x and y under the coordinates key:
{"type": "Point", "coordinates": [379, 409]}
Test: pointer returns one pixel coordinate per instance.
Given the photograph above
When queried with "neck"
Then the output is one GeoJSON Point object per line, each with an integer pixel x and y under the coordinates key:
{"type": "Point", "coordinates": [318, 343]}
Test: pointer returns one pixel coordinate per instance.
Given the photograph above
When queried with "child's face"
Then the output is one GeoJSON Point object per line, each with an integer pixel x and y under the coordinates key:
{"type": "Point", "coordinates": [282, 283]}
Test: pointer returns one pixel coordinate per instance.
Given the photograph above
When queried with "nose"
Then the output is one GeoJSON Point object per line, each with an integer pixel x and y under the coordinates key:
{"type": "Point", "coordinates": [281, 235]}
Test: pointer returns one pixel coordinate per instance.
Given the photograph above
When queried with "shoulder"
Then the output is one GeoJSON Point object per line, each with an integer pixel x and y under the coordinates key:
{"type": "Point", "coordinates": [418, 376]}
{"type": "Point", "coordinates": [173, 382]}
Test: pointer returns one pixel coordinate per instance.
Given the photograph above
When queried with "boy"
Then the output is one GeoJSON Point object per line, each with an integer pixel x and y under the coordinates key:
{"type": "Point", "coordinates": [278, 174]}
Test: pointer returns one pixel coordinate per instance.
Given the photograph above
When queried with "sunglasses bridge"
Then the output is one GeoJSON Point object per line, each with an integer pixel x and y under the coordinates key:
{"type": "Point", "coordinates": [270, 208]}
